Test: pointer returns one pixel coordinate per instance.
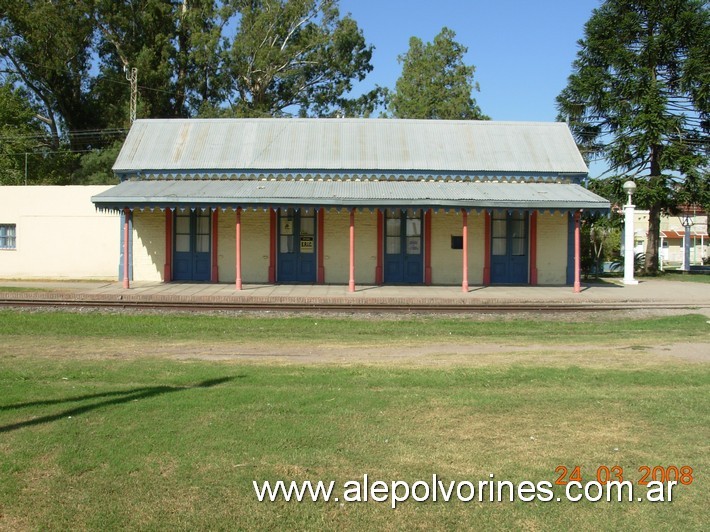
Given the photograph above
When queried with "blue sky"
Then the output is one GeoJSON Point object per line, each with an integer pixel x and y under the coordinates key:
{"type": "Point", "coordinates": [522, 49]}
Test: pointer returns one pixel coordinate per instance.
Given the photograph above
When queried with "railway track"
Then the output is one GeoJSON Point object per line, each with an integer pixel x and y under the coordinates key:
{"type": "Point", "coordinates": [195, 305]}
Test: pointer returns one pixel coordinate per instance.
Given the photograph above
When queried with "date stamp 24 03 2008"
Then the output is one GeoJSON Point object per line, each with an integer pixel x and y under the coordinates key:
{"type": "Point", "coordinates": [679, 474]}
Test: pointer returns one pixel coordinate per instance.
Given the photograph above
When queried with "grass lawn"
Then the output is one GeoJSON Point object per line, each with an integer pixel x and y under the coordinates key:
{"type": "Point", "coordinates": [670, 275]}
{"type": "Point", "coordinates": [150, 442]}
{"type": "Point", "coordinates": [22, 289]}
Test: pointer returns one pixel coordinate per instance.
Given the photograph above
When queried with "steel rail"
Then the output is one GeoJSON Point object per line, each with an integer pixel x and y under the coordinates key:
{"type": "Point", "coordinates": [326, 306]}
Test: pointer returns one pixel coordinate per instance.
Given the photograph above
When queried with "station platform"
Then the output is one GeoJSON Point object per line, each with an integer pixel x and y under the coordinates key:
{"type": "Point", "coordinates": [652, 293]}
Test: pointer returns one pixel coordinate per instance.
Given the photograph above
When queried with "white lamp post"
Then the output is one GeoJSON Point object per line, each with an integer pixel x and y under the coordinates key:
{"type": "Point", "coordinates": [687, 223]}
{"type": "Point", "coordinates": [629, 187]}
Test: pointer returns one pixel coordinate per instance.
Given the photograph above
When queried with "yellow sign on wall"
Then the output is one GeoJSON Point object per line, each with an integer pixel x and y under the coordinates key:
{"type": "Point", "coordinates": [306, 244]}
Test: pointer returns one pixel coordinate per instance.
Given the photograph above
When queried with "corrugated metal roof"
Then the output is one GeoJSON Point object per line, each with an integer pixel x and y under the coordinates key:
{"type": "Point", "coordinates": [475, 195]}
{"type": "Point", "coordinates": [369, 145]}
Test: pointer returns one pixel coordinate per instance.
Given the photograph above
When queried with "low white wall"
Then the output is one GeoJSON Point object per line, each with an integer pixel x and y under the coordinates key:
{"type": "Point", "coordinates": [60, 235]}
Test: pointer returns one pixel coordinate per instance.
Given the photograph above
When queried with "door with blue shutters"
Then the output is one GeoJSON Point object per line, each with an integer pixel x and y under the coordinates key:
{"type": "Point", "coordinates": [297, 246]}
{"type": "Point", "coordinates": [403, 241]}
{"type": "Point", "coordinates": [191, 258]}
{"type": "Point", "coordinates": [509, 248]}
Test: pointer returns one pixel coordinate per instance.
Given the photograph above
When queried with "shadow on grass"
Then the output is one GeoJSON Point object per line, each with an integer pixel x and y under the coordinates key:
{"type": "Point", "coordinates": [123, 397]}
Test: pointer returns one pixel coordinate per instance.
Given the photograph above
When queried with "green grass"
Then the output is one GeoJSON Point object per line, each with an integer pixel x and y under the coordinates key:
{"type": "Point", "coordinates": [151, 443]}
{"type": "Point", "coordinates": [163, 445]}
{"type": "Point", "coordinates": [22, 289]}
{"type": "Point", "coordinates": [685, 277]}
{"type": "Point", "coordinates": [299, 329]}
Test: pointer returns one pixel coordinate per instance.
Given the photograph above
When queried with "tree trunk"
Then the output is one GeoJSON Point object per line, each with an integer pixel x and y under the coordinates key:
{"type": "Point", "coordinates": [654, 216]}
{"type": "Point", "coordinates": [654, 231]}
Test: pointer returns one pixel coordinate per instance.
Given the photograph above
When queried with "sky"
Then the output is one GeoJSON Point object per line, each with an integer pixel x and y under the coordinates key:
{"type": "Point", "coordinates": [522, 49]}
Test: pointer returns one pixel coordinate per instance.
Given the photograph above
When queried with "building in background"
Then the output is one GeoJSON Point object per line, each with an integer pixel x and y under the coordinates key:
{"type": "Point", "coordinates": [672, 232]}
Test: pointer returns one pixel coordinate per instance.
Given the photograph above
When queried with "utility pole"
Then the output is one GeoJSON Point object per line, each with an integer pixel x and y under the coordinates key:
{"type": "Point", "coordinates": [132, 76]}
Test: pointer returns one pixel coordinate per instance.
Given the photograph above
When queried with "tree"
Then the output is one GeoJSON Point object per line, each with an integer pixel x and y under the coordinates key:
{"type": "Point", "coordinates": [639, 97]}
{"type": "Point", "coordinates": [46, 46]}
{"type": "Point", "coordinates": [194, 58]}
{"type": "Point", "coordinates": [19, 133]}
{"type": "Point", "coordinates": [174, 46]}
{"type": "Point", "coordinates": [293, 54]}
{"type": "Point", "coordinates": [435, 82]}
{"type": "Point", "coordinates": [26, 150]}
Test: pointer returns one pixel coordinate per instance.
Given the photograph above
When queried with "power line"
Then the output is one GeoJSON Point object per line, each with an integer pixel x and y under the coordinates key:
{"type": "Point", "coordinates": [88, 134]}
{"type": "Point", "coordinates": [101, 77]}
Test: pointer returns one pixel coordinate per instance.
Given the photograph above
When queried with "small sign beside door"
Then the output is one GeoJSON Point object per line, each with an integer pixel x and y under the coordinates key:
{"type": "Point", "coordinates": [286, 226]}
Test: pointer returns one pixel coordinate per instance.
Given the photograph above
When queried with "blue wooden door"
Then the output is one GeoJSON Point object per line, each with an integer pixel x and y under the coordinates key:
{"type": "Point", "coordinates": [191, 258]}
{"type": "Point", "coordinates": [297, 247]}
{"type": "Point", "coordinates": [403, 241]}
{"type": "Point", "coordinates": [509, 248]}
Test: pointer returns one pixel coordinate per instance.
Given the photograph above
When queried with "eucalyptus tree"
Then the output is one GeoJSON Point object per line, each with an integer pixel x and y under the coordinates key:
{"type": "Point", "coordinates": [174, 46]}
{"type": "Point", "coordinates": [293, 57]}
{"type": "Point", "coordinates": [46, 48]}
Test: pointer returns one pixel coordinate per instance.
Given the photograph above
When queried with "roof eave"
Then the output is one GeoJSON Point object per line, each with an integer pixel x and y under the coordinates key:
{"type": "Point", "coordinates": [215, 202]}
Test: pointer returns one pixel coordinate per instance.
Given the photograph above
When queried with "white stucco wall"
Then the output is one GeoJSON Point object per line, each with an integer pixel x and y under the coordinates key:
{"type": "Point", "coordinates": [60, 235]}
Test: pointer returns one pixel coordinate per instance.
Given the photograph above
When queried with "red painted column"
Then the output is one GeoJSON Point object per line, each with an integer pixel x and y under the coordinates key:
{"type": "Point", "coordinates": [427, 247]}
{"type": "Point", "coordinates": [215, 252]}
{"type": "Point", "coordinates": [239, 249]}
{"type": "Point", "coordinates": [577, 255]}
{"type": "Point", "coordinates": [487, 250]}
{"type": "Point", "coordinates": [320, 216]}
{"type": "Point", "coordinates": [273, 220]}
{"type": "Point", "coordinates": [168, 267]}
{"type": "Point", "coordinates": [464, 283]}
{"type": "Point", "coordinates": [533, 248]}
{"type": "Point", "coordinates": [379, 278]}
{"type": "Point", "coordinates": [126, 248]}
{"type": "Point", "coordinates": [351, 282]}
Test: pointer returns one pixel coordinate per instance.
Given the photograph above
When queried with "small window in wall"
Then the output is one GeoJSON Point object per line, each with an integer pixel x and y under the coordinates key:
{"type": "Point", "coordinates": [8, 236]}
{"type": "Point", "coordinates": [456, 242]}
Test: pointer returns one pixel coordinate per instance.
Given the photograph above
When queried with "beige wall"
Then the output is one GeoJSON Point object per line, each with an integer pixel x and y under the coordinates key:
{"type": "Point", "coordinates": [60, 235]}
{"type": "Point", "coordinates": [447, 263]}
{"type": "Point", "coordinates": [255, 246]}
{"type": "Point", "coordinates": [148, 245]}
{"type": "Point", "coordinates": [336, 259]}
{"type": "Point", "coordinates": [552, 248]}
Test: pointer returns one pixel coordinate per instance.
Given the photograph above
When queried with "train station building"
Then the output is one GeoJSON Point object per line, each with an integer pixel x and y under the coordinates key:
{"type": "Point", "coordinates": [350, 201]}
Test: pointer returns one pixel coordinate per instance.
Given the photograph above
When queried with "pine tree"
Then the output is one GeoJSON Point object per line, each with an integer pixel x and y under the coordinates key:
{"type": "Point", "coordinates": [435, 82]}
{"type": "Point", "coordinates": [639, 97]}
